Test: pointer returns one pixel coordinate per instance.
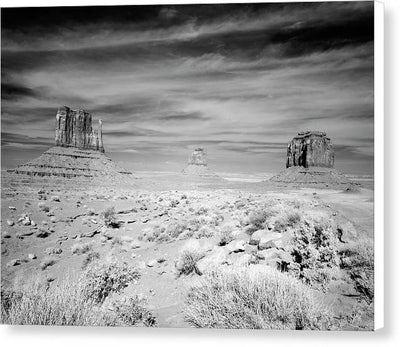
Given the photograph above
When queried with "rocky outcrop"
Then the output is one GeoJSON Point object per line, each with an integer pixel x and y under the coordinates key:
{"type": "Point", "coordinates": [79, 152]}
{"type": "Point", "coordinates": [310, 148]}
{"type": "Point", "coordinates": [197, 165]}
{"type": "Point", "coordinates": [309, 160]}
{"type": "Point", "coordinates": [74, 129]}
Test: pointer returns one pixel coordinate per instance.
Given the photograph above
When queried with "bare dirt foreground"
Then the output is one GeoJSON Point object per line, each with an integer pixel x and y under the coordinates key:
{"type": "Point", "coordinates": [175, 232]}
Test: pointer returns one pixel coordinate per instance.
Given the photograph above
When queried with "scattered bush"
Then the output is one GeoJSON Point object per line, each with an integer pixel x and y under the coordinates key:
{"type": "Point", "coordinates": [188, 257]}
{"type": "Point", "coordinates": [358, 260]}
{"type": "Point", "coordinates": [100, 280]}
{"type": "Point", "coordinates": [38, 303]}
{"type": "Point", "coordinates": [314, 248]}
{"type": "Point", "coordinates": [131, 312]}
{"type": "Point", "coordinates": [90, 257]}
{"type": "Point", "coordinates": [81, 248]}
{"type": "Point", "coordinates": [226, 236]}
{"type": "Point", "coordinates": [253, 298]}
{"type": "Point", "coordinates": [48, 261]}
{"type": "Point", "coordinates": [109, 218]}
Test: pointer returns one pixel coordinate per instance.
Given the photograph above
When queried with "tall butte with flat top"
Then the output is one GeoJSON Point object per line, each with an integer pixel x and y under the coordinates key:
{"type": "Point", "coordinates": [309, 159]}
{"type": "Point", "coordinates": [197, 165]}
{"type": "Point", "coordinates": [74, 129]}
{"type": "Point", "coordinates": [78, 151]}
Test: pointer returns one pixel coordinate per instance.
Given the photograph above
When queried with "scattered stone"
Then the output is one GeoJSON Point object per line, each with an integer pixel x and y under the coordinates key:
{"type": "Point", "coordinates": [267, 240]}
{"type": "Point", "coordinates": [236, 246]}
{"type": "Point", "coordinates": [15, 262]}
{"type": "Point", "coordinates": [42, 233]}
{"type": "Point", "coordinates": [152, 263]}
{"type": "Point", "coordinates": [55, 198]}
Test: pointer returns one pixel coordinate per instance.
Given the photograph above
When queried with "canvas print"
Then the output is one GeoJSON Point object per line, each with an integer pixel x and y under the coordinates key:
{"type": "Point", "coordinates": [190, 166]}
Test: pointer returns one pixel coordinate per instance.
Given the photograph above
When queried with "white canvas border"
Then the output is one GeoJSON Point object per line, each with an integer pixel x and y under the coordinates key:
{"type": "Point", "coordinates": [378, 174]}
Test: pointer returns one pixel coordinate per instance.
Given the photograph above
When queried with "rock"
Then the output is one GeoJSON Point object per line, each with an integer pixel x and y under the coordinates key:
{"type": "Point", "coordinates": [91, 233]}
{"type": "Point", "coordinates": [12, 208]}
{"type": "Point", "coordinates": [15, 262]}
{"type": "Point", "coordinates": [6, 235]}
{"type": "Point", "coordinates": [236, 246]}
{"type": "Point", "coordinates": [74, 129]}
{"type": "Point", "coordinates": [347, 232]}
{"type": "Point", "coordinates": [43, 207]}
{"type": "Point", "coordinates": [151, 263]}
{"type": "Point", "coordinates": [310, 148]}
{"type": "Point", "coordinates": [256, 237]}
{"type": "Point", "coordinates": [42, 233]}
{"type": "Point", "coordinates": [215, 258]}
{"type": "Point", "coordinates": [55, 198]}
{"type": "Point", "coordinates": [267, 240]}
{"type": "Point", "coordinates": [53, 250]}
{"type": "Point", "coordinates": [32, 256]}
{"type": "Point", "coordinates": [53, 219]}
{"type": "Point", "coordinates": [10, 222]}
{"type": "Point", "coordinates": [27, 232]}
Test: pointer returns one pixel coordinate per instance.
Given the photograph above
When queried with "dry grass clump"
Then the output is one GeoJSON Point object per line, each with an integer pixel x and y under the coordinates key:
{"type": "Point", "coordinates": [226, 235]}
{"type": "Point", "coordinates": [182, 229]}
{"type": "Point", "coordinates": [314, 248]}
{"type": "Point", "coordinates": [188, 257]}
{"type": "Point", "coordinates": [286, 220]}
{"type": "Point", "coordinates": [38, 303]}
{"type": "Point", "coordinates": [90, 258]}
{"type": "Point", "coordinates": [358, 260]}
{"type": "Point", "coordinates": [48, 261]}
{"type": "Point", "coordinates": [259, 218]}
{"type": "Point", "coordinates": [253, 298]}
{"type": "Point", "coordinates": [81, 248]}
{"type": "Point", "coordinates": [109, 218]}
{"type": "Point", "coordinates": [101, 280]}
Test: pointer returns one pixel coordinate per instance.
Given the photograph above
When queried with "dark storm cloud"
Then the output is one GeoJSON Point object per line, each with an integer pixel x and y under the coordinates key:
{"type": "Point", "coordinates": [239, 79]}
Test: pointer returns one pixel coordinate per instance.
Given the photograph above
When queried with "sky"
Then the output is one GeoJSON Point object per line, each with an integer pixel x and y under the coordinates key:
{"type": "Point", "coordinates": [239, 80]}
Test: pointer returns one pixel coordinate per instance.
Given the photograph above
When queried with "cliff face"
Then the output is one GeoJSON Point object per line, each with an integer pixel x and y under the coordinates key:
{"type": "Point", "coordinates": [198, 157]}
{"type": "Point", "coordinates": [310, 149]}
{"type": "Point", "coordinates": [74, 129]}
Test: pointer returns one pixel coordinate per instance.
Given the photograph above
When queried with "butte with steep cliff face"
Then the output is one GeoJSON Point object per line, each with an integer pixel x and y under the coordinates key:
{"type": "Point", "coordinates": [197, 165]}
{"type": "Point", "coordinates": [78, 151]}
{"type": "Point", "coordinates": [309, 159]}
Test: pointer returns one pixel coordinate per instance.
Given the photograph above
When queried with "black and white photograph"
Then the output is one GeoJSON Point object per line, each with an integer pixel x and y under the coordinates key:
{"type": "Point", "coordinates": [188, 166]}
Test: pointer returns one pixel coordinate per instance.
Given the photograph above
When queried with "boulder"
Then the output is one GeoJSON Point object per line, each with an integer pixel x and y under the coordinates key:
{"type": "Point", "coordinates": [236, 246]}
{"type": "Point", "coordinates": [267, 240]}
{"type": "Point", "coordinates": [347, 232]}
{"type": "Point", "coordinates": [215, 258]}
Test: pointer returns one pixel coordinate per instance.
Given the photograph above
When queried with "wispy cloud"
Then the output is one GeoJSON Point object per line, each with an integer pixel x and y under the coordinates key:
{"type": "Point", "coordinates": [241, 80]}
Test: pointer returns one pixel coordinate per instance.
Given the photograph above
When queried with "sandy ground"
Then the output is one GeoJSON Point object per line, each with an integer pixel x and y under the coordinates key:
{"type": "Point", "coordinates": [76, 217]}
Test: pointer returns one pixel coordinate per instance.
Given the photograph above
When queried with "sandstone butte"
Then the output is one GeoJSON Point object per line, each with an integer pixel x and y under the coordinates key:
{"type": "Point", "coordinates": [310, 159]}
{"type": "Point", "coordinates": [78, 151]}
{"type": "Point", "coordinates": [197, 165]}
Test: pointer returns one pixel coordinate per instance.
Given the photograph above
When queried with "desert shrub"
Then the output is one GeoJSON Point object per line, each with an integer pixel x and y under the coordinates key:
{"type": "Point", "coordinates": [130, 312]}
{"type": "Point", "coordinates": [187, 227]}
{"type": "Point", "coordinates": [35, 303]}
{"type": "Point", "coordinates": [109, 218]}
{"type": "Point", "coordinates": [101, 280]}
{"type": "Point", "coordinates": [226, 236]}
{"type": "Point", "coordinates": [81, 248]}
{"type": "Point", "coordinates": [188, 257]}
{"type": "Point", "coordinates": [259, 217]}
{"type": "Point", "coordinates": [288, 219]}
{"type": "Point", "coordinates": [253, 298]}
{"type": "Point", "coordinates": [48, 261]}
{"type": "Point", "coordinates": [90, 257]}
{"type": "Point", "coordinates": [358, 260]}
{"type": "Point", "coordinates": [314, 249]}
{"type": "Point", "coordinates": [38, 303]}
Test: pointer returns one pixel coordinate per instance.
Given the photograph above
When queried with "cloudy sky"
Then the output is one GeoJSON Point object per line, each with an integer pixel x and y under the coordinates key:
{"type": "Point", "coordinates": [239, 80]}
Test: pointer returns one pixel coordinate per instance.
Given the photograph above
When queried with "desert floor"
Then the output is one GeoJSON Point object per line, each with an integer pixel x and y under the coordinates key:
{"type": "Point", "coordinates": [48, 217]}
